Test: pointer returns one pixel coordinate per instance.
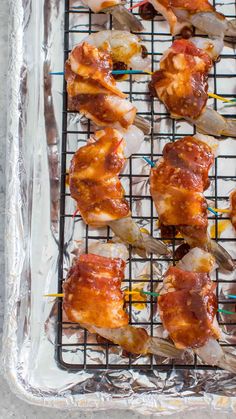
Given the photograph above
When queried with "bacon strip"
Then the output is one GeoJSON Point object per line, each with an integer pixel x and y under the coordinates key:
{"type": "Point", "coordinates": [92, 294]}
{"type": "Point", "coordinates": [92, 89]}
{"type": "Point", "coordinates": [94, 182]}
{"type": "Point", "coordinates": [188, 307]}
{"type": "Point", "coordinates": [177, 184]}
{"type": "Point", "coordinates": [89, 62]}
{"type": "Point", "coordinates": [182, 81]}
{"type": "Point", "coordinates": [233, 208]}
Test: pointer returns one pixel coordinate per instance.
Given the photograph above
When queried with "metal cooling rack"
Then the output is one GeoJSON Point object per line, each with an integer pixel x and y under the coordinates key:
{"type": "Point", "coordinates": [217, 80]}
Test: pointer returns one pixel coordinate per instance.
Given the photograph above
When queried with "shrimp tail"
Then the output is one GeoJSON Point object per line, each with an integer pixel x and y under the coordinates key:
{"type": "Point", "coordinates": [230, 129]}
{"type": "Point", "coordinates": [137, 341]}
{"type": "Point", "coordinates": [208, 22]}
{"type": "Point", "coordinates": [128, 231]}
{"type": "Point", "coordinates": [142, 124]}
{"type": "Point", "coordinates": [125, 18]}
{"type": "Point", "coordinates": [212, 123]}
{"type": "Point", "coordinates": [154, 246]}
{"type": "Point", "coordinates": [223, 258]}
{"type": "Point", "coordinates": [231, 29]}
{"type": "Point", "coordinates": [214, 354]}
{"type": "Point", "coordinates": [227, 362]}
{"type": "Point", "coordinates": [162, 347]}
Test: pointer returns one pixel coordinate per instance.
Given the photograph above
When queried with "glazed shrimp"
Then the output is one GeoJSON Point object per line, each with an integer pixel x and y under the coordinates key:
{"type": "Point", "coordinates": [94, 184]}
{"type": "Point", "coordinates": [93, 298]}
{"type": "Point", "coordinates": [233, 208]}
{"type": "Point", "coordinates": [177, 184]}
{"type": "Point", "coordinates": [93, 92]}
{"type": "Point", "coordinates": [188, 306]}
{"type": "Point", "coordinates": [181, 84]}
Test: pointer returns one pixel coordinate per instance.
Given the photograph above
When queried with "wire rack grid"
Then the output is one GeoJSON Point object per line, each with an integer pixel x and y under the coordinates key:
{"type": "Point", "coordinates": [81, 352]}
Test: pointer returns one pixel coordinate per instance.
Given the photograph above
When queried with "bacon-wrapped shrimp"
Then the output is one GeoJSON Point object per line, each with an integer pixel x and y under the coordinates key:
{"type": "Point", "coordinates": [125, 18]}
{"type": "Point", "coordinates": [94, 184]}
{"type": "Point", "coordinates": [182, 85]}
{"type": "Point", "coordinates": [125, 49]}
{"type": "Point", "coordinates": [177, 185]}
{"type": "Point", "coordinates": [187, 305]}
{"type": "Point", "coordinates": [93, 298]}
{"type": "Point", "coordinates": [98, 277]}
{"type": "Point", "coordinates": [182, 15]}
{"type": "Point", "coordinates": [233, 208]}
{"type": "Point", "coordinates": [92, 90]}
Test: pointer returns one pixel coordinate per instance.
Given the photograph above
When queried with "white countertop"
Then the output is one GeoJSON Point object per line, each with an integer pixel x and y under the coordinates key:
{"type": "Point", "coordinates": [10, 405]}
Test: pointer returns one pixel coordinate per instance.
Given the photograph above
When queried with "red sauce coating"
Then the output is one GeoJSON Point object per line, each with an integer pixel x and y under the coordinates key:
{"type": "Point", "coordinates": [89, 62]}
{"type": "Point", "coordinates": [92, 89]}
{"type": "Point", "coordinates": [190, 155]}
{"type": "Point", "coordinates": [188, 309]}
{"type": "Point", "coordinates": [92, 292]}
{"type": "Point", "coordinates": [182, 81]}
{"type": "Point", "coordinates": [233, 208]}
{"type": "Point", "coordinates": [177, 184]}
{"type": "Point", "coordinates": [94, 182]}
{"type": "Point", "coordinates": [102, 109]}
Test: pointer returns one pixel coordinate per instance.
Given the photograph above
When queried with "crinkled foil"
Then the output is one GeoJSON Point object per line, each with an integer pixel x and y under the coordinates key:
{"type": "Point", "coordinates": [33, 150]}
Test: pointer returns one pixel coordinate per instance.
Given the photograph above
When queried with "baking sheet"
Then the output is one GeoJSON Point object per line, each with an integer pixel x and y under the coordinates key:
{"type": "Point", "coordinates": [33, 150]}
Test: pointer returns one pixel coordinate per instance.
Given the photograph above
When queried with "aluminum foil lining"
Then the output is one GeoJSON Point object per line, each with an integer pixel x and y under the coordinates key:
{"type": "Point", "coordinates": [33, 156]}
